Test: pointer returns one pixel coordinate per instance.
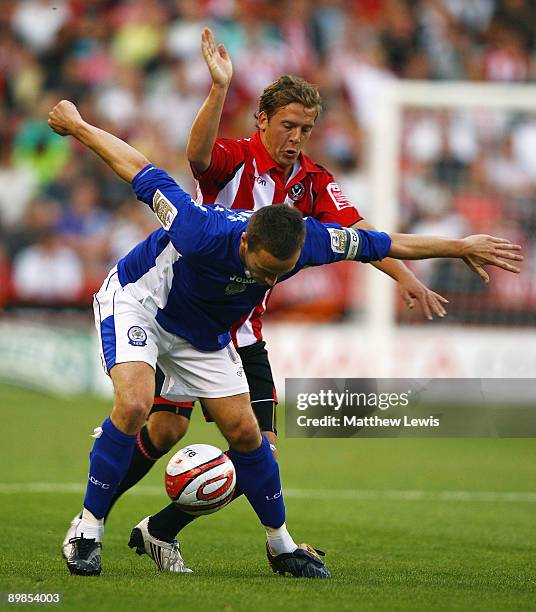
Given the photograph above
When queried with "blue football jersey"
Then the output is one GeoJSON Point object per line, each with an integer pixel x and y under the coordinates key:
{"type": "Point", "coordinates": [189, 273]}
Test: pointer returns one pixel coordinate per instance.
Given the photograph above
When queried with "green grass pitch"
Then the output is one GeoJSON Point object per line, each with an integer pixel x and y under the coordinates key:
{"type": "Point", "coordinates": [395, 550]}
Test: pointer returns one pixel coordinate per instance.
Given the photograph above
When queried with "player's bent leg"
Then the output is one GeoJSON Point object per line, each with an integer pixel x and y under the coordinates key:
{"type": "Point", "coordinates": [110, 459]}
{"type": "Point", "coordinates": [257, 471]}
{"type": "Point", "coordinates": [166, 425]}
{"type": "Point", "coordinates": [257, 474]}
{"type": "Point", "coordinates": [115, 439]}
{"type": "Point", "coordinates": [171, 424]}
{"type": "Point", "coordinates": [263, 396]}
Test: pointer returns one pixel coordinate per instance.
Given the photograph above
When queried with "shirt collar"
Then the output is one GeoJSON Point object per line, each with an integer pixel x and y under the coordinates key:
{"type": "Point", "coordinates": [265, 162]}
{"type": "Point", "coordinates": [262, 157]}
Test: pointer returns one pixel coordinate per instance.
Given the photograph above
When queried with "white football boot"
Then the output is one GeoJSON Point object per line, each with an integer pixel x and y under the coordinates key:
{"type": "Point", "coordinates": [67, 545]}
{"type": "Point", "coordinates": [166, 555]}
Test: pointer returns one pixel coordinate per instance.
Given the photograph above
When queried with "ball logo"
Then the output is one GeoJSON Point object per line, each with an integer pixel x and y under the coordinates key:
{"type": "Point", "coordinates": [297, 191]}
{"type": "Point", "coordinates": [213, 493]}
{"type": "Point", "coordinates": [137, 336]}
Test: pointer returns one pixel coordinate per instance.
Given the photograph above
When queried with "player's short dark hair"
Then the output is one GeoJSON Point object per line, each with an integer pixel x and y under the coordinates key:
{"type": "Point", "coordinates": [286, 90]}
{"type": "Point", "coordinates": [278, 229]}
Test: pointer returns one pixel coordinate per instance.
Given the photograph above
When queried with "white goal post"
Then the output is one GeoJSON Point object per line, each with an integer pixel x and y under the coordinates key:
{"type": "Point", "coordinates": [384, 150]}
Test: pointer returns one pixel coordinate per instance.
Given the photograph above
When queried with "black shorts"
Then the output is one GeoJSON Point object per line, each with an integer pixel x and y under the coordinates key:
{"type": "Point", "coordinates": [261, 388]}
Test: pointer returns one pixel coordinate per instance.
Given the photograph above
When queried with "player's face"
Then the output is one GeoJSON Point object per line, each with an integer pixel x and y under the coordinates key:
{"type": "Point", "coordinates": [262, 266]}
{"type": "Point", "coordinates": [286, 133]}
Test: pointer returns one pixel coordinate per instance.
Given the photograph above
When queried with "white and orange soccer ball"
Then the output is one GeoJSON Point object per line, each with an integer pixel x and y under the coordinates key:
{"type": "Point", "coordinates": [200, 479]}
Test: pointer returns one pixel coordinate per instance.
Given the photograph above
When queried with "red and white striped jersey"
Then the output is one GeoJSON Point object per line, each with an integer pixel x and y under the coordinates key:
{"type": "Point", "coordinates": [242, 174]}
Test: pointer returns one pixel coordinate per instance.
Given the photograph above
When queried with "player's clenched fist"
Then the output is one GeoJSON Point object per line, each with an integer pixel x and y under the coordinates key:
{"type": "Point", "coordinates": [64, 118]}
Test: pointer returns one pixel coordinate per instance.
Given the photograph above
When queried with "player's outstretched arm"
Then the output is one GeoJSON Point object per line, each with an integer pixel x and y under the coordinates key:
{"type": "Point", "coordinates": [410, 287]}
{"type": "Point", "coordinates": [204, 129]}
{"type": "Point", "coordinates": [123, 159]}
{"type": "Point", "coordinates": [476, 251]}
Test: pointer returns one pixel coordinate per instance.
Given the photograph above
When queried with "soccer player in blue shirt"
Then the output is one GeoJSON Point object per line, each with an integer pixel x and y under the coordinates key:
{"type": "Point", "coordinates": [173, 299]}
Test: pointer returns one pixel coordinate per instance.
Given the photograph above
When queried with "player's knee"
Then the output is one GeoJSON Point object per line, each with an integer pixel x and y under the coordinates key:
{"type": "Point", "coordinates": [132, 408]}
{"type": "Point", "coordinates": [166, 429]}
{"type": "Point", "coordinates": [245, 435]}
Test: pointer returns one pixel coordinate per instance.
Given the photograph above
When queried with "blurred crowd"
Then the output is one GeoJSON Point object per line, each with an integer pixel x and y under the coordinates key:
{"type": "Point", "coordinates": [134, 67]}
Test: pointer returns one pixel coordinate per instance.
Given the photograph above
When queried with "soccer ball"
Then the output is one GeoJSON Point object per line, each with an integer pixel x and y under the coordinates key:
{"type": "Point", "coordinates": [200, 479]}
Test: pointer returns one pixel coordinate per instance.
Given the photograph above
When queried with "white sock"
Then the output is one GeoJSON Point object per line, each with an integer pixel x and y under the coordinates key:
{"type": "Point", "coordinates": [90, 527]}
{"type": "Point", "coordinates": [279, 540]}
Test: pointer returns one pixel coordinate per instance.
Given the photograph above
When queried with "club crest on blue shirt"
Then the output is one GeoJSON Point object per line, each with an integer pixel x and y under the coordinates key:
{"type": "Point", "coordinates": [163, 209]}
{"type": "Point", "coordinates": [338, 239]}
{"type": "Point", "coordinates": [296, 191]}
{"type": "Point", "coordinates": [137, 336]}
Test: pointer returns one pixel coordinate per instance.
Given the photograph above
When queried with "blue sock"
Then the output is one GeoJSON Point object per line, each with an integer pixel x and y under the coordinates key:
{"type": "Point", "coordinates": [257, 474]}
{"type": "Point", "coordinates": [108, 463]}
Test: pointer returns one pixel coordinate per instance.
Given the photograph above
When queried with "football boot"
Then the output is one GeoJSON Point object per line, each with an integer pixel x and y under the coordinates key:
{"type": "Point", "coordinates": [84, 558]}
{"type": "Point", "coordinates": [304, 562]}
{"type": "Point", "coordinates": [166, 555]}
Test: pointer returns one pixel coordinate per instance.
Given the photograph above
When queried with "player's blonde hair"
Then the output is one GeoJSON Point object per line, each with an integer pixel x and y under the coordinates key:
{"type": "Point", "coordinates": [286, 90]}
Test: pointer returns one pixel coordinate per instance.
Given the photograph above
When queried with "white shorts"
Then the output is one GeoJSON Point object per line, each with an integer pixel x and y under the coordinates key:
{"type": "Point", "coordinates": [129, 332]}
